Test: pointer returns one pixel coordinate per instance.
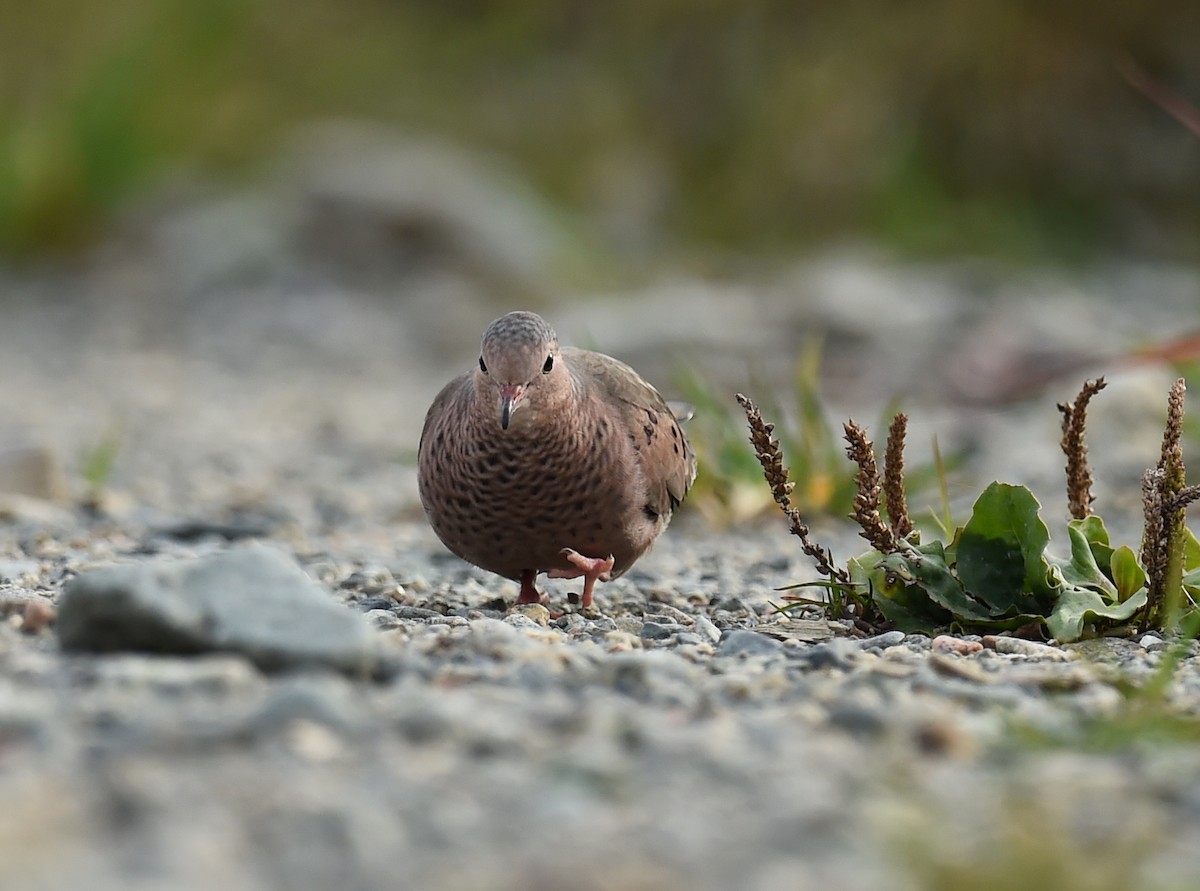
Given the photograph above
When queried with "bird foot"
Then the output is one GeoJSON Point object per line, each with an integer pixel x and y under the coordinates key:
{"type": "Point", "coordinates": [529, 594]}
{"type": "Point", "coordinates": [591, 568]}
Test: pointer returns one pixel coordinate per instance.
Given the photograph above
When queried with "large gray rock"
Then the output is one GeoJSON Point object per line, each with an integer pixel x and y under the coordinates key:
{"type": "Point", "coordinates": [253, 601]}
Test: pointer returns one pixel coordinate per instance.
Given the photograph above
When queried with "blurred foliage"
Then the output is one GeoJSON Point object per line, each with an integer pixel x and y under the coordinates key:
{"type": "Point", "coordinates": [728, 485]}
{"type": "Point", "coordinates": [1025, 833]}
{"type": "Point", "coordinates": [995, 126]}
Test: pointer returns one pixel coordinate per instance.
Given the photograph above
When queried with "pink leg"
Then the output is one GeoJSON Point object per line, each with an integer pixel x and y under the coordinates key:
{"type": "Point", "coordinates": [591, 568]}
{"type": "Point", "coordinates": [529, 594]}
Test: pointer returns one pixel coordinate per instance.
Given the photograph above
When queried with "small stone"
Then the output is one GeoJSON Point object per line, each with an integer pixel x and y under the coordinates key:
{"type": "Point", "coordinates": [667, 613]}
{"type": "Point", "coordinates": [659, 631]}
{"type": "Point", "coordinates": [629, 624]}
{"type": "Point", "coordinates": [735, 605]}
{"type": "Point", "coordinates": [621, 642]}
{"type": "Point", "coordinates": [383, 618]}
{"type": "Point", "coordinates": [706, 629]}
{"type": "Point", "coordinates": [374, 580]}
{"type": "Point", "coordinates": [837, 653]}
{"type": "Point", "coordinates": [37, 615]}
{"type": "Point", "coordinates": [1150, 642]}
{"type": "Point", "coordinates": [748, 643]}
{"type": "Point", "coordinates": [519, 620]}
{"type": "Point", "coordinates": [947, 644]}
{"type": "Point", "coordinates": [369, 604]}
{"type": "Point", "coordinates": [881, 641]}
{"type": "Point", "coordinates": [535, 612]}
{"type": "Point", "coordinates": [571, 622]}
{"type": "Point", "coordinates": [1015, 646]}
{"type": "Point", "coordinates": [449, 621]}
{"type": "Point", "coordinates": [415, 612]}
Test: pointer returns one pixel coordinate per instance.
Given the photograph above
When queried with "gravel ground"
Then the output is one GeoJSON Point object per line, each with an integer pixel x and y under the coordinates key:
{"type": "Point", "coordinates": [686, 738]}
{"type": "Point", "coordinates": [271, 393]}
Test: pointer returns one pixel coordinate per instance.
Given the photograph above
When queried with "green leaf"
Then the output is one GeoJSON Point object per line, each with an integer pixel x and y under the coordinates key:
{"type": "Point", "coordinates": [1191, 584]}
{"type": "Point", "coordinates": [1001, 553]}
{"type": "Point", "coordinates": [862, 571]}
{"type": "Point", "coordinates": [1191, 551]}
{"type": "Point", "coordinates": [1094, 531]}
{"type": "Point", "coordinates": [1092, 528]}
{"type": "Point", "coordinates": [906, 606]}
{"type": "Point", "coordinates": [1077, 607]}
{"type": "Point", "coordinates": [1127, 573]}
{"type": "Point", "coordinates": [1081, 570]}
{"type": "Point", "coordinates": [908, 619]}
{"type": "Point", "coordinates": [928, 581]}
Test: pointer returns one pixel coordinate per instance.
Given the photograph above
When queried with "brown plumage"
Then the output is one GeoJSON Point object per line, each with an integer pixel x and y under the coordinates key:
{"type": "Point", "coordinates": [550, 459]}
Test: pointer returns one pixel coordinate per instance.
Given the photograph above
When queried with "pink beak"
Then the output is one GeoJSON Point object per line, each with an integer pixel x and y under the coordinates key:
{"type": "Point", "coordinates": [510, 398]}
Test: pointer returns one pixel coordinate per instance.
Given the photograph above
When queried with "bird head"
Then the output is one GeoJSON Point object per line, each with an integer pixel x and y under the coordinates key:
{"type": "Point", "coordinates": [520, 367]}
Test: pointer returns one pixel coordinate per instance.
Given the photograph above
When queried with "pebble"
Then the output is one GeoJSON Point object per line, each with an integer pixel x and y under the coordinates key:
{"type": "Point", "coordinates": [415, 612]}
{"type": "Point", "coordinates": [1015, 646]}
{"type": "Point", "coordinates": [706, 629]}
{"type": "Point", "coordinates": [621, 641]}
{"type": "Point", "coordinates": [534, 612]}
{"type": "Point", "coordinates": [659, 631]}
{"type": "Point", "coordinates": [37, 614]}
{"type": "Point", "coordinates": [838, 653]}
{"type": "Point", "coordinates": [881, 641]}
{"type": "Point", "coordinates": [369, 604]}
{"type": "Point", "coordinates": [947, 644]}
{"type": "Point", "coordinates": [383, 618]}
{"type": "Point", "coordinates": [748, 643]}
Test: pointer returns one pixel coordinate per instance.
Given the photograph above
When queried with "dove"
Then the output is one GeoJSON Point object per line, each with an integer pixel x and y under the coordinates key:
{"type": "Point", "coordinates": [550, 459]}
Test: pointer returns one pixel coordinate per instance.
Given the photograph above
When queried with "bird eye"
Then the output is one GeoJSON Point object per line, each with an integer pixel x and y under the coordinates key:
{"type": "Point", "coordinates": [482, 366]}
{"type": "Point", "coordinates": [549, 364]}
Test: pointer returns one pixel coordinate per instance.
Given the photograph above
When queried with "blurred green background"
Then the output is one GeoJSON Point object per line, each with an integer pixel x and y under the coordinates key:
{"type": "Point", "coordinates": [708, 127]}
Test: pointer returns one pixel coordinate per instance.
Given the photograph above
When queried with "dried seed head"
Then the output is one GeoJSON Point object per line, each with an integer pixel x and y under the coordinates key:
{"type": "Point", "coordinates": [866, 499]}
{"type": "Point", "coordinates": [1171, 460]}
{"type": "Point", "coordinates": [1155, 545]}
{"type": "Point", "coordinates": [1074, 446]}
{"type": "Point", "coordinates": [770, 456]}
{"type": "Point", "coordinates": [893, 477]}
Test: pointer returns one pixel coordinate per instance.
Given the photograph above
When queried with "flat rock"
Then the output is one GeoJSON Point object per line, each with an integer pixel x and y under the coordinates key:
{"type": "Point", "coordinates": [804, 630]}
{"type": "Point", "coordinates": [253, 601]}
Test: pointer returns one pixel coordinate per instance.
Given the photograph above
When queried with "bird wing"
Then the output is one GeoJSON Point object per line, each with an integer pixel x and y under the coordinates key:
{"type": "Point", "coordinates": [453, 392]}
{"type": "Point", "coordinates": [664, 453]}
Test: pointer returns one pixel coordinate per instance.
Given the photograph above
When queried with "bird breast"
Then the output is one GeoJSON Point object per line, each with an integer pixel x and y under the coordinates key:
{"type": "Point", "coordinates": [512, 500]}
